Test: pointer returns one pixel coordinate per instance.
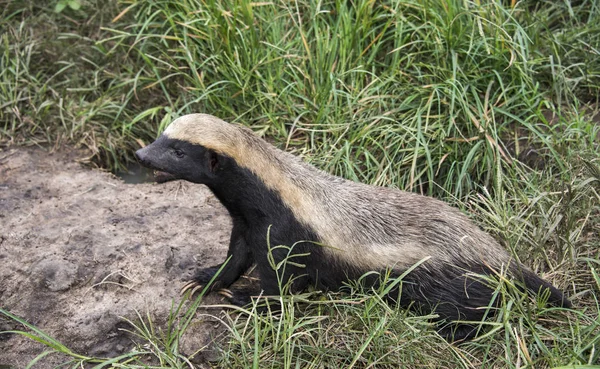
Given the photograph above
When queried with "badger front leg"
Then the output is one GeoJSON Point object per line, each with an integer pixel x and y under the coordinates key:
{"type": "Point", "coordinates": [239, 259]}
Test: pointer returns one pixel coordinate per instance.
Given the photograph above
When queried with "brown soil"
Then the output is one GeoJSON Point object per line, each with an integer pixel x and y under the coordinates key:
{"type": "Point", "coordinates": [80, 249]}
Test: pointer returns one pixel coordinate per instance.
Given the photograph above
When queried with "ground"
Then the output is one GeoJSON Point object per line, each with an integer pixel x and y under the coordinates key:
{"type": "Point", "coordinates": [80, 249]}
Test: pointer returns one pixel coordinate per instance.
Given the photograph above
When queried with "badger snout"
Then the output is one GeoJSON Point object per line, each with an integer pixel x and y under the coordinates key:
{"type": "Point", "coordinates": [148, 159]}
{"type": "Point", "coordinates": [142, 156]}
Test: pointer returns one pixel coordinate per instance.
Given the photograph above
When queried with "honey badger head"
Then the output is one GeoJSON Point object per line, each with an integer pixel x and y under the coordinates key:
{"type": "Point", "coordinates": [179, 152]}
{"type": "Point", "coordinates": [174, 159]}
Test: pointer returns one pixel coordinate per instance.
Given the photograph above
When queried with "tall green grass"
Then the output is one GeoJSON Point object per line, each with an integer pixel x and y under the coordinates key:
{"type": "Point", "coordinates": [401, 94]}
{"type": "Point", "coordinates": [409, 93]}
{"type": "Point", "coordinates": [414, 94]}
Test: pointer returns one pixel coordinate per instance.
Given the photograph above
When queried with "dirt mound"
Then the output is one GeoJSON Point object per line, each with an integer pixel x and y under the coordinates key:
{"type": "Point", "coordinates": [79, 249]}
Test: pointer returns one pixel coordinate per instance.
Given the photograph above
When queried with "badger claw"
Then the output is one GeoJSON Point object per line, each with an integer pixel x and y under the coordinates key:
{"type": "Point", "coordinates": [196, 289]}
{"type": "Point", "coordinates": [226, 293]}
{"type": "Point", "coordinates": [188, 286]}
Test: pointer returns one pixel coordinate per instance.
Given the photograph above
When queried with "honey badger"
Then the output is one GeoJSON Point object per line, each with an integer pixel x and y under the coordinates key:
{"type": "Point", "coordinates": [340, 230]}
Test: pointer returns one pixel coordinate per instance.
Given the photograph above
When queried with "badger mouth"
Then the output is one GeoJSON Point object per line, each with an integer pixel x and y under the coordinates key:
{"type": "Point", "coordinates": [162, 177]}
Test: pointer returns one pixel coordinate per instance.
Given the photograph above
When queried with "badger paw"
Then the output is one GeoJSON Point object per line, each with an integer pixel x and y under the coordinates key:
{"type": "Point", "coordinates": [236, 297]}
{"type": "Point", "coordinates": [203, 277]}
{"type": "Point", "coordinates": [192, 287]}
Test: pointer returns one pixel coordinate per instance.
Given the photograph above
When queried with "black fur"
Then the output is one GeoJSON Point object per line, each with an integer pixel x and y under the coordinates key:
{"type": "Point", "coordinates": [262, 222]}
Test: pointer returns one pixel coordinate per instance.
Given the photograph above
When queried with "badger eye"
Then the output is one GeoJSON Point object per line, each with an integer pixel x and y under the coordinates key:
{"type": "Point", "coordinates": [179, 153]}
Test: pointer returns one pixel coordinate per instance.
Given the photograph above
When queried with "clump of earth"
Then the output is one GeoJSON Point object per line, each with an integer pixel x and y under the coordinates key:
{"type": "Point", "coordinates": [80, 249]}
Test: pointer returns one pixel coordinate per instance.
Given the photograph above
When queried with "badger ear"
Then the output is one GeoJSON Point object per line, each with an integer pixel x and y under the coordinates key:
{"type": "Point", "coordinates": [212, 160]}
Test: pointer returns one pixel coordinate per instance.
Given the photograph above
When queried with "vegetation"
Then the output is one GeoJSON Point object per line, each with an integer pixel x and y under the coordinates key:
{"type": "Point", "coordinates": [490, 105]}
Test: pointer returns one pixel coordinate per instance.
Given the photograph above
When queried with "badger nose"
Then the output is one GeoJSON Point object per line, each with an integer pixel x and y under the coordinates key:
{"type": "Point", "coordinates": [140, 155]}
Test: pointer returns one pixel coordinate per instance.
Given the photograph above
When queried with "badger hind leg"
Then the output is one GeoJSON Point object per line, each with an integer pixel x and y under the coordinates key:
{"type": "Point", "coordinates": [458, 332]}
{"type": "Point", "coordinates": [460, 300]}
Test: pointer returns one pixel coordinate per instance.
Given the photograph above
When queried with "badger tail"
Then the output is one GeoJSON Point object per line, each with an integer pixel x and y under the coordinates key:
{"type": "Point", "coordinates": [537, 285]}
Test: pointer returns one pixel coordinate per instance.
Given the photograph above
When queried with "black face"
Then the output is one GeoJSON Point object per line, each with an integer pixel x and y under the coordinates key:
{"type": "Point", "coordinates": [174, 159]}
